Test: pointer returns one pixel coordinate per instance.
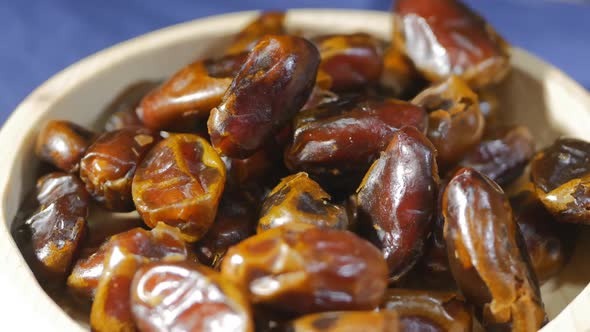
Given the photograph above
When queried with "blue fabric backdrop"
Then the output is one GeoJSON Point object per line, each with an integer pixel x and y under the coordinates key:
{"type": "Point", "coordinates": [40, 37]}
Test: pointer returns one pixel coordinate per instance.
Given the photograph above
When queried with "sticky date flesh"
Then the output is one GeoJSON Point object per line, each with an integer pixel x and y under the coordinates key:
{"type": "Point", "coordinates": [62, 144]}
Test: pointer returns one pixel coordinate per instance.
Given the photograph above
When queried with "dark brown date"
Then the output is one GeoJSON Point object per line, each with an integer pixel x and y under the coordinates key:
{"type": "Point", "coordinates": [561, 175]}
{"type": "Point", "coordinates": [399, 77]}
{"type": "Point", "coordinates": [347, 136]}
{"type": "Point", "coordinates": [62, 144]}
{"type": "Point", "coordinates": [110, 162]}
{"type": "Point", "coordinates": [396, 199]}
{"type": "Point", "coordinates": [56, 230]}
{"type": "Point", "coordinates": [190, 94]}
{"type": "Point", "coordinates": [445, 37]}
{"type": "Point", "coordinates": [455, 123]}
{"type": "Point", "coordinates": [180, 182]}
{"type": "Point", "coordinates": [429, 310]}
{"type": "Point", "coordinates": [487, 254]}
{"type": "Point", "coordinates": [347, 321]}
{"type": "Point", "coordinates": [503, 154]}
{"type": "Point", "coordinates": [251, 169]}
{"type": "Point", "coordinates": [550, 244]}
{"type": "Point", "coordinates": [300, 268]}
{"type": "Point", "coordinates": [185, 296]}
{"type": "Point", "coordinates": [235, 221]}
{"type": "Point", "coordinates": [273, 84]}
{"type": "Point", "coordinates": [162, 242]}
{"type": "Point", "coordinates": [297, 198]}
{"type": "Point", "coordinates": [121, 111]}
{"type": "Point", "coordinates": [351, 61]}
{"type": "Point", "coordinates": [267, 23]}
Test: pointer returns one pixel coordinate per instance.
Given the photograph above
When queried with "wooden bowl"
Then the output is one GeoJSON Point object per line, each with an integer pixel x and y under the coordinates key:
{"type": "Point", "coordinates": [536, 94]}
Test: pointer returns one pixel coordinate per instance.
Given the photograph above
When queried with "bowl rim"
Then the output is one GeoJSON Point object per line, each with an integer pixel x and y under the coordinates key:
{"type": "Point", "coordinates": [19, 283]}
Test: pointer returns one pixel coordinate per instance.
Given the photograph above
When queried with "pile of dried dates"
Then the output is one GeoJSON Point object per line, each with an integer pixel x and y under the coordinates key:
{"type": "Point", "coordinates": [326, 183]}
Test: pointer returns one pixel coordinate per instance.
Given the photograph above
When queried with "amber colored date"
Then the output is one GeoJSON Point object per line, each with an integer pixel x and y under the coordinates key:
{"type": "Point", "coordinates": [396, 199]}
{"type": "Point", "coordinates": [487, 254]}
{"type": "Point", "coordinates": [56, 230]}
{"type": "Point", "coordinates": [455, 123]}
{"type": "Point", "coordinates": [273, 84]}
{"type": "Point", "coordinates": [348, 321]}
{"type": "Point", "coordinates": [235, 221]}
{"type": "Point", "coordinates": [300, 268]}
{"type": "Point", "coordinates": [180, 183]}
{"type": "Point", "coordinates": [348, 135]}
{"type": "Point", "coordinates": [445, 37]}
{"type": "Point", "coordinates": [162, 242]}
{"type": "Point", "coordinates": [190, 297]}
{"type": "Point", "coordinates": [561, 175]}
{"type": "Point", "coordinates": [502, 154]}
{"type": "Point", "coordinates": [549, 243]}
{"type": "Point", "coordinates": [110, 162]}
{"type": "Point", "coordinates": [429, 310]}
{"type": "Point", "coordinates": [351, 61]}
{"type": "Point", "coordinates": [267, 23]}
{"type": "Point", "coordinates": [189, 95]}
{"type": "Point", "coordinates": [62, 144]}
{"type": "Point", "coordinates": [300, 199]}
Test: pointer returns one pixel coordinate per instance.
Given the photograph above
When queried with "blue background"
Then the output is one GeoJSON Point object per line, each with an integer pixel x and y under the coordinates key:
{"type": "Point", "coordinates": [41, 37]}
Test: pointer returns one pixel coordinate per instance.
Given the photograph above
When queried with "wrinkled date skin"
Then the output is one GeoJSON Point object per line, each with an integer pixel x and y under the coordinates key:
{"type": "Point", "coordinates": [347, 321]}
{"type": "Point", "coordinates": [273, 84]}
{"type": "Point", "coordinates": [297, 198]}
{"type": "Point", "coordinates": [348, 135]}
{"type": "Point", "coordinates": [235, 221]}
{"type": "Point", "coordinates": [503, 154]}
{"type": "Point", "coordinates": [429, 310]}
{"type": "Point", "coordinates": [185, 296]}
{"type": "Point", "coordinates": [549, 243]}
{"type": "Point", "coordinates": [455, 123]}
{"type": "Point", "coordinates": [487, 254]}
{"type": "Point", "coordinates": [268, 23]}
{"type": "Point", "coordinates": [62, 144]}
{"type": "Point", "coordinates": [180, 183]}
{"type": "Point", "coordinates": [561, 175]}
{"type": "Point", "coordinates": [445, 37]}
{"type": "Point", "coordinates": [58, 227]}
{"type": "Point", "coordinates": [396, 199]}
{"type": "Point", "coordinates": [162, 242]}
{"type": "Point", "coordinates": [110, 162]}
{"type": "Point", "coordinates": [190, 94]}
{"type": "Point", "coordinates": [352, 61]}
{"type": "Point", "coordinates": [300, 268]}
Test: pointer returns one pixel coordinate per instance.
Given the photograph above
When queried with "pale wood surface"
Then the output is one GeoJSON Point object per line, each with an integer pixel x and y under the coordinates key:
{"type": "Point", "coordinates": [536, 94]}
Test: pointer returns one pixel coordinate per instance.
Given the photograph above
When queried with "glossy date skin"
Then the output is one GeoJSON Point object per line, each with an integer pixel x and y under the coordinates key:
{"type": "Point", "coordinates": [396, 199]}
{"type": "Point", "coordinates": [273, 84]}
{"type": "Point", "coordinates": [267, 23]}
{"type": "Point", "coordinates": [445, 37]}
{"type": "Point", "coordinates": [561, 175]}
{"type": "Point", "coordinates": [163, 242]}
{"type": "Point", "coordinates": [429, 310]}
{"type": "Point", "coordinates": [110, 162]}
{"type": "Point", "coordinates": [299, 268]}
{"type": "Point", "coordinates": [503, 154]}
{"type": "Point", "coordinates": [297, 198]}
{"type": "Point", "coordinates": [192, 297]}
{"type": "Point", "coordinates": [121, 111]}
{"type": "Point", "coordinates": [58, 227]}
{"type": "Point", "coordinates": [351, 61]}
{"type": "Point", "coordinates": [455, 123]}
{"type": "Point", "coordinates": [487, 254]}
{"type": "Point", "coordinates": [347, 136]}
{"type": "Point", "coordinates": [347, 321]}
{"type": "Point", "coordinates": [62, 144]}
{"type": "Point", "coordinates": [549, 243]}
{"type": "Point", "coordinates": [180, 183]}
{"type": "Point", "coordinates": [235, 221]}
{"type": "Point", "coordinates": [190, 94]}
